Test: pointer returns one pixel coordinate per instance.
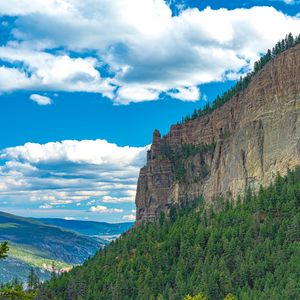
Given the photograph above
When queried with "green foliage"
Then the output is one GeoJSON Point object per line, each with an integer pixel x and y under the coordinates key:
{"type": "Point", "coordinates": [15, 291]}
{"type": "Point", "coordinates": [288, 42]}
{"type": "Point", "coordinates": [250, 248]}
{"type": "Point", "coordinates": [199, 296]}
{"type": "Point", "coordinates": [182, 153]}
{"type": "Point", "coordinates": [3, 250]}
{"type": "Point", "coordinates": [229, 297]}
{"type": "Point", "coordinates": [33, 280]}
{"type": "Point", "coordinates": [34, 257]}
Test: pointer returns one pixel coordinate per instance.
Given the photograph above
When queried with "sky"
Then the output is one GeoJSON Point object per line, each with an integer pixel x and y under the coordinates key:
{"type": "Point", "coordinates": [83, 85]}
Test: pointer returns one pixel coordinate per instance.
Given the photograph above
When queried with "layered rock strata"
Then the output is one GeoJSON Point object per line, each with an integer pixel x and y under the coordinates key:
{"type": "Point", "coordinates": [245, 142]}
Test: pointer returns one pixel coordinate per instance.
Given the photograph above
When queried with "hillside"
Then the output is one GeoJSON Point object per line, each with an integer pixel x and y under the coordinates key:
{"type": "Point", "coordinates": [223, 219]}
{"type": "Point", "coordinates": [243, 142]}
{"type": "Point", "coordinates": [250, 249]}
{"type": "Point", "coordinates": [33, 243]}
{"type": "Point", "coordinates": [102, 230]}
{"type": "Point", "coordinates": [20, 259]}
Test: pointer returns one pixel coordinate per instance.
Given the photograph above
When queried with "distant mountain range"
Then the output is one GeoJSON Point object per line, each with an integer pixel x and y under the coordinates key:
{"type": "Point", "coordinates": [102, 230]}
{"type": "Point", "coordinates": [40, 242]}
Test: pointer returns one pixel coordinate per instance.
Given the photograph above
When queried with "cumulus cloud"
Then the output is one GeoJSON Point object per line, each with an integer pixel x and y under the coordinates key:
{"type": "Point", "coordinates": [25, 7]}
{"type": "Point", "coordinates": [138, 49]}
{"type": "Point", "coordinates": [12, 78]}
{"type": "Point", "coordinates": [40, 100]}
{"type": "Point", "coordinates": [186, 93]}
{"type": "Point", "coordinates": [128, 94]}
{"type": "Point", "coordinates": [103, 209]}
{"type": "Point", "coordinates": [81, 174]}
{"type": "Point", "coordinates": [44, 71]}
{"type": "Point", "coordinates": [96, 152]}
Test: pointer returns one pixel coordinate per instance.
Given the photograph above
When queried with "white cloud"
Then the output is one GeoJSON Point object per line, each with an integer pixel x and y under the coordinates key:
{"type": "Point", "coordinates": [129, 94]}
{"type": "Point", "coordinates": [40, 100]}
{"type": "Point", "coordinates": [130, 217]}
{"type": "Point", "coordinates": [46, 206]}
{"type": "Point", "coordinates": [109, 199]}
{"type": "Point", "coordinates": [10, 78]}
{"type": "Point", "coordinates": [44, 71]}
{"type": "Point", "coordinates": [103, 209]}
{"type": "Point", "coordinates": [97, 152]}
{"type": "Point", "coordinates": [25, 7]}
{"type": "Point", "coordinates": [186, 93]}
{"type": "Point", "coordinates": [70, 173]}
{"type": "Point", "coordinates": [145, 48]}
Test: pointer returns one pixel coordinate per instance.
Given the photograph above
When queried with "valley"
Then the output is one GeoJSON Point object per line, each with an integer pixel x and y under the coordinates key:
{"type": "Point", "coordinates": [42, 244]}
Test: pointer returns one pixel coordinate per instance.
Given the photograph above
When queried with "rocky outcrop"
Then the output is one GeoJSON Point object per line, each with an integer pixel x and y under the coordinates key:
{"type": "Point", "coordinates": [245, 142]}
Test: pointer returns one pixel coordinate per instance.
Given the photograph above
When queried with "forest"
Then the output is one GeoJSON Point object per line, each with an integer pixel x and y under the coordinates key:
{"type": "Point", "coordinates": [243, 249]}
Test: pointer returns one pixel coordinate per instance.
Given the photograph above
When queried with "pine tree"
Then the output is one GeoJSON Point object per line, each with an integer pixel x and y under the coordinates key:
{"type": "Point", "coordinates": [33, 279]}
{"type": "Point", "coordinates": [3, 250]}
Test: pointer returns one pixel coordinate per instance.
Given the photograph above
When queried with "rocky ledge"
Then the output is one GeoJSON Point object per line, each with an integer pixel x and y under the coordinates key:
{"type": "Point", "coordinates": [244, 143]}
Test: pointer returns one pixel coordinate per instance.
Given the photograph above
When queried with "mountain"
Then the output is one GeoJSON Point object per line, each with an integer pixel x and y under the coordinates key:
{"type": "Point", "coordinates": [250, 249]}
{"type": "Point", "coordinates": [223, 202]}
{"type": "Point", "coordinates": [33, 243]}
{"type": "Point", "coordinates": [244, 142]}
{"type": "Point", "coordinates": [102, 230]}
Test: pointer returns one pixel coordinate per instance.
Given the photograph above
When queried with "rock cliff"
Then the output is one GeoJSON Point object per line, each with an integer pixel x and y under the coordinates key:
{"type": "Point", "coordinates": [245, 142]}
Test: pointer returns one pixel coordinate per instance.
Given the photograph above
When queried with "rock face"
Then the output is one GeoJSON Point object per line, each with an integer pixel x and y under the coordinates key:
{"type": "Point", "coordinates": [245, 142]}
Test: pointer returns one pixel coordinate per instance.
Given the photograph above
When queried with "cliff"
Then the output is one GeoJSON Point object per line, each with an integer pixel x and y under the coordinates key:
{"type": "Point", "coordinates": [245, 142]}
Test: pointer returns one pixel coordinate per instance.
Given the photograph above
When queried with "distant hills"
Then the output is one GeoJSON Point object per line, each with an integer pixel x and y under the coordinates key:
{"type": "Point", "coordinates": [105, 231]}
{"type": "Point", "coordinates": [40, 242]}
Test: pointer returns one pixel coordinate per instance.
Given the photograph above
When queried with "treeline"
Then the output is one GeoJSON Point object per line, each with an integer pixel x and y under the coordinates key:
{"type": "Point", "coordinates": [249, 248]}
{"type": "Point", "coordinates": [288, 42]}
{"type": "Point", "coordinates": [17, 290]}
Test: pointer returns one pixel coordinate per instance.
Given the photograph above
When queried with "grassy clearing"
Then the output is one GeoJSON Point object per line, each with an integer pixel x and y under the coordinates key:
{"type": "Point", "coordinates": [34, 259]}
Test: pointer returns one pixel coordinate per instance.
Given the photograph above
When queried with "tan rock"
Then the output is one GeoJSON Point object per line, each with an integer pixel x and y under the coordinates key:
{"type": "Point", "coordinates": [256, 134]}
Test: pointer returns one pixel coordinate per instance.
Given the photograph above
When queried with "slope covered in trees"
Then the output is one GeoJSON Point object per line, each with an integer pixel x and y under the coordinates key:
{"type": "Point", "coordinates": [250, 249]}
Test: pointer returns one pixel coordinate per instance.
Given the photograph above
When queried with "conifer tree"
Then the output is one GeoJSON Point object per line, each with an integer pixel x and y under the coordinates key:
{"type": "Point", "coordinates": [3, 250]}
{"type": "Point", "coordinates": [33, 279]}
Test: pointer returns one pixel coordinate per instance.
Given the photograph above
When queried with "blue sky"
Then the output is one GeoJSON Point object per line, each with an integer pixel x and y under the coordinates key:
{"type": "Point", "coordinates": [83, 84]}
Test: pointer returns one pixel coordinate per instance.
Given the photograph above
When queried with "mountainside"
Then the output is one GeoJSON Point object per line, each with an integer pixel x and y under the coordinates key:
{"type": "Point", "coordinates": [244, 143]}
{"type": "Point", "coordinates": [102, 230]}
{"type": "Point", "coordinates": [250, 249]}
{"type": "Point", "coordinates": [33, 243]}
{"type": "Point", "coordinates": [218, 228]}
